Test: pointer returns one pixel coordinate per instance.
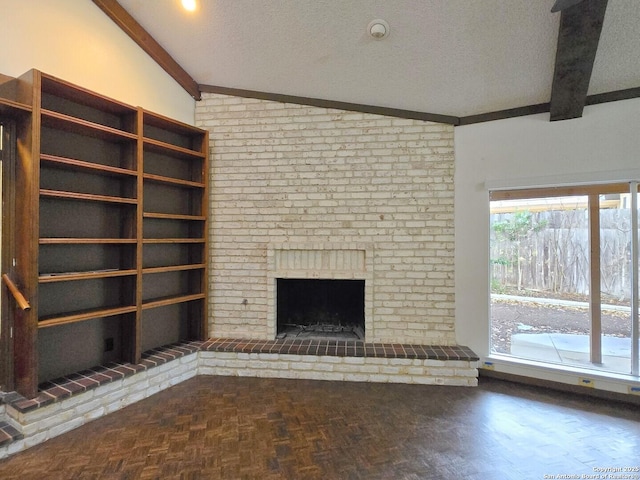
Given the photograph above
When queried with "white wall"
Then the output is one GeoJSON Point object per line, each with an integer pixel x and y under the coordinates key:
{"type": "Point", "coordinates": [74, 40]}
{"type": "Point", "coordinates": [603, 145]}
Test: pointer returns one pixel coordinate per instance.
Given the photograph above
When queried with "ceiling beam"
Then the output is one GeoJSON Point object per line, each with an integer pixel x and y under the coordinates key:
{"type": "Point", "coordinates": [138, 34]}
{"type": "Point", "coordinates": [578, 37]}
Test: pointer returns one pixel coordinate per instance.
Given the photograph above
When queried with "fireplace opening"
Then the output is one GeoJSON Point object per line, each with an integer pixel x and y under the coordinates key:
{"type": "Point", "coordinates": [320, 308]}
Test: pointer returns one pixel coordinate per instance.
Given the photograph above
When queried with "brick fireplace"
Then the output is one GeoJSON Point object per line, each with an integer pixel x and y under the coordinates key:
{"type": "Point", "coordinates": [321, 267]}
{"type": "Point", "coordinates": [302, 192]}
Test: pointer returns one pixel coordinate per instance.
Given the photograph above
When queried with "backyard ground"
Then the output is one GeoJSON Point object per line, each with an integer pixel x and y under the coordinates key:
{"type": "Point", "coordinates": [509, 317]}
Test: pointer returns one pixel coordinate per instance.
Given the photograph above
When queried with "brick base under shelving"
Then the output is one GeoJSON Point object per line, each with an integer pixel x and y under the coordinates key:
{"type": "Point", "coordinates": [69, 402]}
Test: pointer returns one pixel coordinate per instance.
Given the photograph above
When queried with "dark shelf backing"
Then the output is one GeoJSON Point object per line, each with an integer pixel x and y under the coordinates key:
{"type": "Point", "coordinates": [65, 218]}
{"type": "Point", "coordinates": [72, 100]}
{"type": "Point", "coordinates": [172, 254]}
{"type": "Point", "coordinates": [59, 299]}
{"type": "Point", "coordinates": [114, 151]}
{"type": "Point", "coordinates": [97, 186]}
{"type": "Point", "coordinates": [171, 323]}
{"type": "Point", "coordinates": [60, 121]}
{"type": "Point", "coordinates": [61, 258]}
{"type": "Point", "coordinates": [178, 134]}
{"type": "Point", "coordinates": [159, 162]}
{"type": "Point", "coordinates": [172, 199]}
{"type": "Point", "coordinates": [171, 284]}
{"type": "Point", "coordinates": [74, 347]}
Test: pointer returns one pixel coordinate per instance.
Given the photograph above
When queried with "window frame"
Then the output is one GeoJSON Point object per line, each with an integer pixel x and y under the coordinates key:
{"type": "Point", "coordinates": [593, 192]}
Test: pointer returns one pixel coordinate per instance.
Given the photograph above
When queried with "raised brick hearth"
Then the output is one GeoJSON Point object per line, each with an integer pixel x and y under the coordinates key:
{"type": "Point", "coordinates": [71, 401]}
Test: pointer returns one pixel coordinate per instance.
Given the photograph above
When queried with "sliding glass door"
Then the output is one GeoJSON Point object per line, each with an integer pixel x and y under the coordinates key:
{"type": "Point", "coordinates": [563, 269]}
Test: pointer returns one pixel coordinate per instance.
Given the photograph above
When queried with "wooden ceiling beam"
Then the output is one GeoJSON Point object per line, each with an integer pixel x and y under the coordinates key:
{"type": "Point", "coordinates": [578, 37]}
{"type": "Point", "coordinates": [138, 34]}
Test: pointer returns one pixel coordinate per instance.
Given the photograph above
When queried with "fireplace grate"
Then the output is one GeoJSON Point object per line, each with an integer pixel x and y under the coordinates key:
{"type": "Point", "coordinates": [321, 330]}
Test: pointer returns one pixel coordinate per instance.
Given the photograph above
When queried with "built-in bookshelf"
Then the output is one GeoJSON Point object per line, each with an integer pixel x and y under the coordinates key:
{"type": "Point", "coordinates": [113, 230]}
{"type": "Point", "coordinates": [174, 192]}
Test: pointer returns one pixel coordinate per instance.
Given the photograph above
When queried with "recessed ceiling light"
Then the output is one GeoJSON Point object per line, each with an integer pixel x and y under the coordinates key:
{"type": "Point", "coordinates": [189, 5]}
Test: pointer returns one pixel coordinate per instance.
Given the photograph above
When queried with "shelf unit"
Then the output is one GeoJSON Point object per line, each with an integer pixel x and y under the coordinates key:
{"type": "Point", "coordinates": [174, 192]}
{"type": "Point", "coordinates": [114, 229]}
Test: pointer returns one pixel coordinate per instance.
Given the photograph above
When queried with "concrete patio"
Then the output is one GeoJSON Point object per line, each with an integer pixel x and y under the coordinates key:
{"type": "Point", "coordinates": [573, 349]}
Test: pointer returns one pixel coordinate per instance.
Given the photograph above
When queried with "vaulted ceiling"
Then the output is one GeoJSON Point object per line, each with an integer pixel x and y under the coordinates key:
{"type": "Point", "coordinates": [460, 59]}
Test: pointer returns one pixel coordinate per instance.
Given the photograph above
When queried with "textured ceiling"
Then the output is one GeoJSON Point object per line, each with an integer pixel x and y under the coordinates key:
{"type": "Point", "coordinates": [449, 57]}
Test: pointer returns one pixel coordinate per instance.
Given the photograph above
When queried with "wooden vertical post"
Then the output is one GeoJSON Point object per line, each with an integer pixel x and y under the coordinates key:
{"type": "Point", "coordinates": [139, 166]}
{"type": "Point", "coordinates": [25, 264]}
{"type": "Point", "coordinates": [595, 304]}
{"type": "Point", "coordinates": [635, 333]}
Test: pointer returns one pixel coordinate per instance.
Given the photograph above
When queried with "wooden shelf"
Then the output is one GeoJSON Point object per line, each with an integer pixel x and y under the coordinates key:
{"type": "Point", "coordinates": [163, 302]}
{"type": "Point", "coordinates": [172, 240]}
{"type": "Point", "coordinates": [157, 146]}
{"type": "Point", "coordinates": [172, 181]}
{"type": "Point", "coordinates": [7, 105]}
{"type": "Point", "coordinates": [81, 165]}
{"type": "Point", "coordinates": [174, 268]}
{"type": "Point", "coordinates": [86, 196]}
{"type": "Point", "coordinates": [84, 315]}
{"type": "Point", "coordinates": [68, 123]}
{"type": "Point", "coordinates": [81, 241]}
{"type": "Point", "coordinates": [69, 276]}
{"type": "Point", "coordinates": [172, 216]}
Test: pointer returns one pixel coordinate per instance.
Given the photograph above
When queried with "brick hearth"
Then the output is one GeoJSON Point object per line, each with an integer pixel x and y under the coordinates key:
{"type": "Point", "coordinates": [71, 401]}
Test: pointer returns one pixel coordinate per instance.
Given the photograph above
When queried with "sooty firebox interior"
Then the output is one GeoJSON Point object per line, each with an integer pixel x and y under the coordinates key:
{"type": "Point", "coordinates": [320, 308]}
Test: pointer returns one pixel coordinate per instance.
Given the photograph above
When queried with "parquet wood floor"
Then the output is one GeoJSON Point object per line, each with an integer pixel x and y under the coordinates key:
{"type": "Point", "coordinates": [251, 428]}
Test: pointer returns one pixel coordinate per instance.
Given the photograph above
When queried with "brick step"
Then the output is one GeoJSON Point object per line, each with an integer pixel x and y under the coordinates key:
{"type": "Point", "coordinates": [8, 433]}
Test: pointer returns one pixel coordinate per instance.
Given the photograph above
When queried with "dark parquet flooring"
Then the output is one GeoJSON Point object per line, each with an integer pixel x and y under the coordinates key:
{"type": "Point", "coordinates": [250, 428]}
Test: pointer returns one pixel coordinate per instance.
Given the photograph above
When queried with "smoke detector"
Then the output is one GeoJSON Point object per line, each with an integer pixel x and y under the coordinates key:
{"type": "Point", "coordinates": [378, 29]}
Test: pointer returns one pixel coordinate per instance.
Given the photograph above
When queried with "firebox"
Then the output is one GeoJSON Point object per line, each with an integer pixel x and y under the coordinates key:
{"type": "Point", "coordinates": [320, 308]}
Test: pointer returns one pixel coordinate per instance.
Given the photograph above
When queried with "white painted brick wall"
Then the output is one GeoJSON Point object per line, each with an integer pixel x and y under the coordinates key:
{"type": "Point", "coordinates": [297, 174]}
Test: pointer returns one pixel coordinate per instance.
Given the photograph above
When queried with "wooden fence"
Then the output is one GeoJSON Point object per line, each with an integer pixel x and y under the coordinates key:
{"type": "Point", "coordinates": [553, 255]}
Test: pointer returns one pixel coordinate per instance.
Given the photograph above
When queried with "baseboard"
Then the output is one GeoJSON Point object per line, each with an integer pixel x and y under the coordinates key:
{"type": "Point", "coordinates": [559, 386]}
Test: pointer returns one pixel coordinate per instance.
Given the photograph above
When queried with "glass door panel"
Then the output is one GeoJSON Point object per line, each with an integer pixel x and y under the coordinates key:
{"type": "Point", "coordinates": [563, 270]}
{"type": "Point", "coordinates": [540, 279]}
{"type": "Point", "coordinates": [615, 282]}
